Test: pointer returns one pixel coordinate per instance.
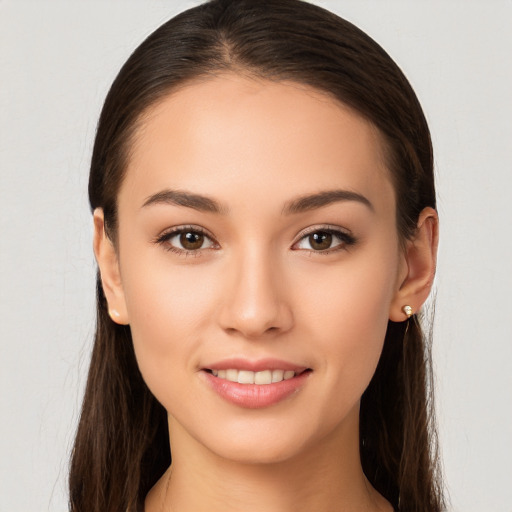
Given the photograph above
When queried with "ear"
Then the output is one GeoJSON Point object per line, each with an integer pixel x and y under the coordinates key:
{"type": "Point", "coordinates": [108, 264]}
{"type": "Point", "coordinates": [418, 268]}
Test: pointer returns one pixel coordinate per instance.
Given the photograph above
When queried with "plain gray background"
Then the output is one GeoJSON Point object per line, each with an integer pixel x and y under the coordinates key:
{"type": "Point", "coordinates": [57, 60]}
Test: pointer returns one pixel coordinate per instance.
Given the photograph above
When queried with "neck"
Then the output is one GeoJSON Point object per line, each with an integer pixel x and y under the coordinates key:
{"type": "Point", "coordinates": [327, 476]}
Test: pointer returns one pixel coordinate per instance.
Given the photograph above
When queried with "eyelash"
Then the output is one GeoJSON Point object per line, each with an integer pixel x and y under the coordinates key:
{"type": "Point", "coordinates": [346, 240]}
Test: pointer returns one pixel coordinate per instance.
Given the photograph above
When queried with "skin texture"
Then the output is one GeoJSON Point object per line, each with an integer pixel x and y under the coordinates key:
{"type": "Point", "coordinates": [257, 289]}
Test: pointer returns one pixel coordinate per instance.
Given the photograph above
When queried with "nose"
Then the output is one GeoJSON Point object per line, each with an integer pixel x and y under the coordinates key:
{"type": "Point", "coordinates": [255, 302]}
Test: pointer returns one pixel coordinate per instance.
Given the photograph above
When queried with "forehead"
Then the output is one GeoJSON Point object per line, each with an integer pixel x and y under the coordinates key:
{"type": "Point", "coordinates": [234, 134]}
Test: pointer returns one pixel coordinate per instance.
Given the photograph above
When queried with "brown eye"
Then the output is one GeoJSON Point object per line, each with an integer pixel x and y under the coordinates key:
{"type": "Point", "coordinates": [191, 241]}
{"type": "Point", "coordinates": [186, 240]}
{"type": "Point", "coordinates": [325, 240]}
{"type": "Point", "coordinates": [320, 241]}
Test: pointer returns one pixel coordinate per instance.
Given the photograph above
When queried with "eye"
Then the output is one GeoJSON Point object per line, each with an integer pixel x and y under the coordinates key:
{"type": "Point", "coordinates": [186, 240]}
{"type": "Point", "coordinates": [325, 240]}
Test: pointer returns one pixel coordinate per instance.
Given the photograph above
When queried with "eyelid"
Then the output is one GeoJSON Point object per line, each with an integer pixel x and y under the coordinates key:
{"type": "Point", "coordinates": [180, 229]}
{"type": "Point", "coordinates": [329, 228]}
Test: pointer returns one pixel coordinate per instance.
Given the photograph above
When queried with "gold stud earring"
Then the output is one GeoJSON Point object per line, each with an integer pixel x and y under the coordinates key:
{"type": "Point", "coordinates": [113, 313]}
{"type": "Point", "coordinates": [408, 311]}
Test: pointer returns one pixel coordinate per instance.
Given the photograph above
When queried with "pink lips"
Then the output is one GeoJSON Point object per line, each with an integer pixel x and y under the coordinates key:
{"type": "Point", "coordinates": [254, 396]}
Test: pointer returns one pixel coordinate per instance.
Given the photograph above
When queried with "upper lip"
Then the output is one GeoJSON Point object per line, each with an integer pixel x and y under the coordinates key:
{"type": "Point", "coordinates": [257, 365]}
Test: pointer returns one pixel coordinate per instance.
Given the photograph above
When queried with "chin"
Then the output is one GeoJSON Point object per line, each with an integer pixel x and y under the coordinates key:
{"type": "Point", "coordinates": [270, 440]}
{"type": "Point", "coordinates": [259, 452]}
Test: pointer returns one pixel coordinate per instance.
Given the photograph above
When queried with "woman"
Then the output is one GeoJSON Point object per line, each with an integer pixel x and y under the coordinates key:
{"type": "Point", "coordinates": [266, 232]}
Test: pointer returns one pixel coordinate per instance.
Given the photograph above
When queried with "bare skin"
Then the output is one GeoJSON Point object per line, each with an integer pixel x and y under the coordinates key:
{"type": "Point", "coordinates": [256, 283]}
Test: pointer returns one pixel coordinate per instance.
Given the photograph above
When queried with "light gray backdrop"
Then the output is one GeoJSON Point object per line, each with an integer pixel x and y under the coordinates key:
{"type": "Point", "coordinates": [57, 59]}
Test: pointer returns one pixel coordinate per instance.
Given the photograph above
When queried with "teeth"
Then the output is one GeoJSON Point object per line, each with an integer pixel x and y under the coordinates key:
{"type": "Point", "coordinates": [232, 375]}
{"type": "Point", "coordinates": [264, 377]}
{"type": "Point", "coordinates": [248, 377]}
{"type": "Point", "coordinates": [277, 375]}
{"type": "Point", "coordinates": [244, 376]}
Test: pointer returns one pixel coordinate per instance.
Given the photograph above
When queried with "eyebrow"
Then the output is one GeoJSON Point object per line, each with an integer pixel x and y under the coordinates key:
{"type": "Point", "coordinates": [187, 199]}
{"type": "Point", "coordinates": [320, 199]}
{"type": "Point", "coordinates": [299, 205]}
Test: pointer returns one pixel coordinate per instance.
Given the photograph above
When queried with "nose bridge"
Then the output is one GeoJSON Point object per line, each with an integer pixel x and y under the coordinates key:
{"type": "Point", "coordinates": [255, 303]}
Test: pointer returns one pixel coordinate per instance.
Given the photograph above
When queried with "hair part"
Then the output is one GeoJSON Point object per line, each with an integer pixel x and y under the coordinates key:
{"type": "Point", "coordinates": [122, 445]}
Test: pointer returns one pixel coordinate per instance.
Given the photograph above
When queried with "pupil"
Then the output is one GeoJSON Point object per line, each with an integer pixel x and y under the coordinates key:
{"type": "Point", "coordinates": [191, 241]}
{"type": "Point", "coordinates": [320, 240]}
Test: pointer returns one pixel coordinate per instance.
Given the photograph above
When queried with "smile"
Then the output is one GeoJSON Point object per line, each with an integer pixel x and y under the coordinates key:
{"type": "Point", "coordinates": [264, 377]}
{"type": "Point", "coordinates": [258, 387]}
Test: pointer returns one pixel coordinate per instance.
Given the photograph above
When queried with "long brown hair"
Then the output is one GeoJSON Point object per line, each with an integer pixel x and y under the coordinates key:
{"type": "Point", "coordinates": [122, 445]}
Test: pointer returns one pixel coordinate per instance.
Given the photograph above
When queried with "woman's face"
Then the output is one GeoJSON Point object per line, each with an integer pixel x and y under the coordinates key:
{"type": "Point", "coordinates": [257, 236]}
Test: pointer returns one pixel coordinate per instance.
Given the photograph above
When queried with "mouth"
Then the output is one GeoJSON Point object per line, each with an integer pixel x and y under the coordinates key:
{"type": "Point", "coordinates": [255, 384]}
{"type": "Point", "coordinates": [260, 378]}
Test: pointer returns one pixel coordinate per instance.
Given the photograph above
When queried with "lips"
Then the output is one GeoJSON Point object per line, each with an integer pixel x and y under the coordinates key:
{"type": "Point", "coordinates": [255, 384]}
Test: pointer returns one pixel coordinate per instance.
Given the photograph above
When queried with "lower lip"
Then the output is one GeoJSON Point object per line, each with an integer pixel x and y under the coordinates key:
{"type": "Point", "coordinates": [256, 396]}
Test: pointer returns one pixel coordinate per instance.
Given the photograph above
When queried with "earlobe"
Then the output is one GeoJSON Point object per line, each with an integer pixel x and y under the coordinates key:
{"type": "Point", "coordinates": [108, 264]}
{"type": "Point", "coordinates": [420, 261]}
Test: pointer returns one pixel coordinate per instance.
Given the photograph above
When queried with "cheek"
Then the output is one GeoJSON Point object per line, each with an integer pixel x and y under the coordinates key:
{"type": "Point", "coordinates": [347, 312]}
{"type": "Point", "coordinates": [167, 306]}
